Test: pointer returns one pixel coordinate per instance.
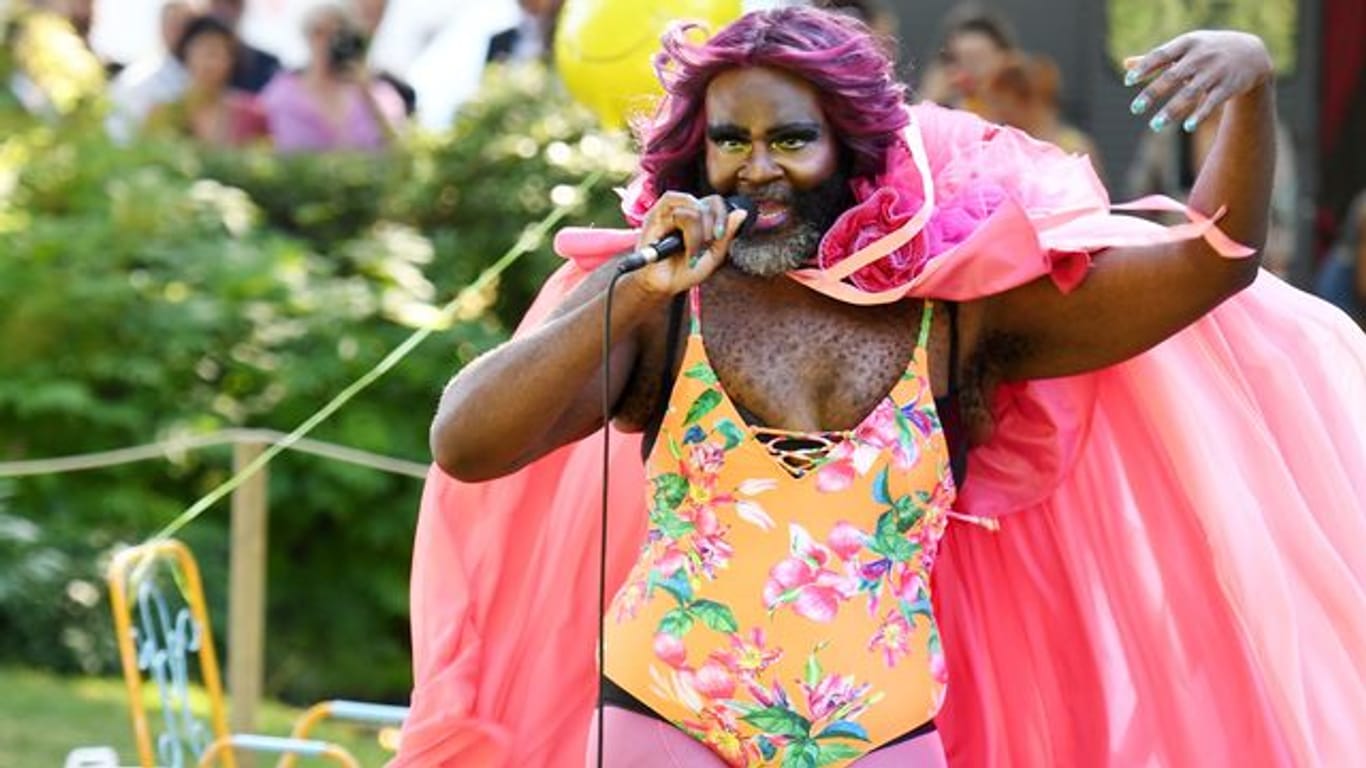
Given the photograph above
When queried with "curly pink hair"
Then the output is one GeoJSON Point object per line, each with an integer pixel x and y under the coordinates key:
{"type": "Point", "coordinates": [837, 54]}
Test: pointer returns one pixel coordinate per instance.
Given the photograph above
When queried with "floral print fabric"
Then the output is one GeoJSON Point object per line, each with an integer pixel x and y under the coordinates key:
{"type": "Point", "coordinates": [785, 620]}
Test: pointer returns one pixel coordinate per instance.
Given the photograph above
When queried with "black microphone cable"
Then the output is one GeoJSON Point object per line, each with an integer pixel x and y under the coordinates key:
{"type": "Point", "coordinates": [664, 248]}
{"type": "Point", "coordinates": [602, 554]}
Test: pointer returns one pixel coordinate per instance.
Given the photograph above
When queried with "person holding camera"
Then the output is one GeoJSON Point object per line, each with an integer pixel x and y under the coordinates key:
{"type": "Point", "coordinates": [333, 103]}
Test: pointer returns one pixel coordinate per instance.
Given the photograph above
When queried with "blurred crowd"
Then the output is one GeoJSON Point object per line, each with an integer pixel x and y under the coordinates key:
{"type": "Point", "coordinates": [208, 84]}
{"type": "Point", "coordinates": [981, 68]}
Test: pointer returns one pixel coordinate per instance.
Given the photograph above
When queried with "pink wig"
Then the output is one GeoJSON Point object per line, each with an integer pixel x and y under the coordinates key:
{"type": "Point", "coordinates": [835, 53]}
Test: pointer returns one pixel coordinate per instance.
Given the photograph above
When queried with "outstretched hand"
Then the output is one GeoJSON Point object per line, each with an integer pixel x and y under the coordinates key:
{"type": "Point", "coordinates": [1192, 75]}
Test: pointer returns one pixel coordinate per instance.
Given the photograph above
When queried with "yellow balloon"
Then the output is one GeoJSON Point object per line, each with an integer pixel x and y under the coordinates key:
{"type": "Point", "coordinates": [604, 49]}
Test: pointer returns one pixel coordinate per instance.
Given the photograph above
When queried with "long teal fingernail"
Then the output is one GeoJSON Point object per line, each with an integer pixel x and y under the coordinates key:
{"type": "Point", "coordinates": [1139, 106]}
{"type": "Point", "coordinates": [1189, 125]}
{"type": "Point", "coordinates": [1158, 123]}
{"type": "Point", "coordinates": [1131, 77]}
{"type": "Point", "coordinates": [719, 231]}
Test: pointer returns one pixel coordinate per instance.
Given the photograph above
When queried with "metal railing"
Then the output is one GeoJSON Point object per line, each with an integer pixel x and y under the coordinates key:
{"type": "Point", "coordinates": [250, 520]}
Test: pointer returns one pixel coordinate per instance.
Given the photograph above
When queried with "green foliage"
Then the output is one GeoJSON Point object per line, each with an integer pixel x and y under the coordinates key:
{"type": "Point", "coordinates": [1136, 26]}
{"type": "Point", "coordinates": [45, 48]}
{"type": "Point", "coordinates": [156, 291]}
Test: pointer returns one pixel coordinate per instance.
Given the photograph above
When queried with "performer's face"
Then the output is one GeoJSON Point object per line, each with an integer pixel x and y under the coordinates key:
{"type": "Point", "coordinates": [768, 138]}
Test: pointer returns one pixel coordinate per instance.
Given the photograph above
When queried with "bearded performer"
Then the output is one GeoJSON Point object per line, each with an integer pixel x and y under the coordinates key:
{"type": "Point", "coordinates": [943, 458]}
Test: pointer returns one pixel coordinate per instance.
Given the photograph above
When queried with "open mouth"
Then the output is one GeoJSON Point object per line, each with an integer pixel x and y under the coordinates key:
{"type": "Point", "coordinates": [771, 216]}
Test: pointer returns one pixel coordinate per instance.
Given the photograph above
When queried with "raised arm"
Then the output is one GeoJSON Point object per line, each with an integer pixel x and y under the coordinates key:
{"type": "Point", "coordinates": [1134, 297]}
{"type": "Point", "coordinates": [543, 390]}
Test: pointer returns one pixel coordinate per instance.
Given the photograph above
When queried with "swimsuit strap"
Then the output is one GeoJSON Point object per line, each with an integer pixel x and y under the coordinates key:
{"type": "Point", "coordinates": [695, 310]}
{"type": "Point", "coordinates": [926, 315]}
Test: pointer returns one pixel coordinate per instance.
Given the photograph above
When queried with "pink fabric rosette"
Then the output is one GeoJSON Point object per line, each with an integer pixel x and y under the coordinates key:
{"type": "Point", "coordinates": [886, 203]}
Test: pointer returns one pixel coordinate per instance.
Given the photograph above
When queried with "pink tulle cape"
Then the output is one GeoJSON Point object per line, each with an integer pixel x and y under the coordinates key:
{"type": "Point", "coordinates": [1180, 573]}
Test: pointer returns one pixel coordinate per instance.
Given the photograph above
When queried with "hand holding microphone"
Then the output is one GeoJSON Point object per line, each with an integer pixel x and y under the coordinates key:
{"type": "Point", "coordinates": [699, 232]}
{"type": "Point", "coordinates": [681, 224]}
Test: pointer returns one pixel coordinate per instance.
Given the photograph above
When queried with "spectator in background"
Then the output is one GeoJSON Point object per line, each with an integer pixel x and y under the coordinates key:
{"type": "Point", "coordinates": [407, 29]}
{"type": "Point", "coordinates": [533, 35]}
{"type": "Point", "coordinates": [211, 111]}
{"type": "Point", "coordinates": [333, 104]}
{"type": "Point", "coordinates": [52, 69]}
{"type": "Point", "coordinates": [81, 15]}
{"type": "Point", "coordinates": [149, 82]}
{"type": "Point", "coordinates": [1342, 278]}
{"type": "Point", "coordinates": [370, 15]}
{"type": "Point", "coordinates": [446, 54]}
{"type": "Point", "coordinates": [875, 13]}
{"type": "Point", "coordinates": [255, 68]}
{"type": "Point", "coordinates": [977, 44]}
{"type": "Point", "coordinates": [1024, 94]}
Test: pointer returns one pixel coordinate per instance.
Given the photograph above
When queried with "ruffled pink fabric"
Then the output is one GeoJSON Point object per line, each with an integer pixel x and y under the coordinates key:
{"type": "Point", "coordinates": [884, 204]}
{"type": "Point", "coordinates": [1007, 209]}
{"type": "Point", "coordinates": [1182, 580]}
{"type": "Point", "coordinates": [1194, 591]}
{"type": "Point", "coordinates": [504, 580]}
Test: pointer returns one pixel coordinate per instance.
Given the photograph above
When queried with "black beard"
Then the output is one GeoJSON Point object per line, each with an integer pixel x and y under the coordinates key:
{"type": "Point", "coordinates": [769, 254]}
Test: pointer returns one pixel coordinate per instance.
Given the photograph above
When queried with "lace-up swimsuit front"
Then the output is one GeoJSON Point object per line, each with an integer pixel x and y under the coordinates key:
{"type": "Point", "coordinates": [781, 603]}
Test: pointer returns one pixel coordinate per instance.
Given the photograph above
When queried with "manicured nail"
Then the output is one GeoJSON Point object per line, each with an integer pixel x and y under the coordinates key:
{"type": "Point", "coordinates": [1139, 106]}
{"type": "Point", "coordinates": [1189, 125]}
{"type": "Point", "coordinates": [1131, 77]}
{"type": "Point", "coordinates": [719, 231]}
{"type": "Point", "coordinates": [1158, 123]}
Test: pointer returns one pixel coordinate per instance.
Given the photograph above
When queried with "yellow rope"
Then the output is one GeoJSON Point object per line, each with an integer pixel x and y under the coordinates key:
{"type": "Point", "coordinates": [165, 448]}
{"type": "Point", "coordinates": [523, 245]}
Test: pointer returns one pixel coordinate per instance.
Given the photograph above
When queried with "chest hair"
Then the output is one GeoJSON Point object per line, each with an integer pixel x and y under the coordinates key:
{"type": "Point", "coordinates": [793, 359]}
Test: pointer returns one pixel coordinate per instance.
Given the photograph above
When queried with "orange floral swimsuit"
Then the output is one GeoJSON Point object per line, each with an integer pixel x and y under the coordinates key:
{"type": "Point", "coordinates": [780, 608]}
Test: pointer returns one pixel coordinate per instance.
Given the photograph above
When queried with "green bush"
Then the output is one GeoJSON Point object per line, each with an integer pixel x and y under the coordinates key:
{"type": "Point", "coordinates": [156, 291]}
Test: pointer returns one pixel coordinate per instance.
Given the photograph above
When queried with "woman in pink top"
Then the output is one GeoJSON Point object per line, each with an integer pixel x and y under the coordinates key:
{"type": "Point", "coordinates": [332, 104]}
{"type": "Point", "coordinates": [210, 111]}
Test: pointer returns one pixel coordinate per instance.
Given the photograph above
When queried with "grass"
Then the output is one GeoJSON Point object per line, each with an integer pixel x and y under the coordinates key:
{"type": "Point", "coordinates": [43, 716]}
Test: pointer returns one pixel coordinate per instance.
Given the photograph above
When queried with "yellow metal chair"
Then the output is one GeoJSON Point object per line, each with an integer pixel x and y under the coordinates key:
{"type": "Point", "coordinates": [164, 635]}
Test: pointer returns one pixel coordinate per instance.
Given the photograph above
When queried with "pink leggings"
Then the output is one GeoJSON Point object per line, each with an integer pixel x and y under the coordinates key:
{"type": "Point", "coordinates": [634, 740]}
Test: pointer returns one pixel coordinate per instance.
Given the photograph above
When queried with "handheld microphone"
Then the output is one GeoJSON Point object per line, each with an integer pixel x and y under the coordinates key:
{"type": "Point", "coordinates": [672, 243]}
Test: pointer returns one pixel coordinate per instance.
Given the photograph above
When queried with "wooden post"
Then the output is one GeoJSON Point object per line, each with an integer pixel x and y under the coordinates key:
{"type": "Point", "coordinates": [246, 592]}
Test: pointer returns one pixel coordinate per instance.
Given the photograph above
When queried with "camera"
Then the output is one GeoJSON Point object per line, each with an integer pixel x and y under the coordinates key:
{"type": "Point", "coordinates": [346, 47]}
